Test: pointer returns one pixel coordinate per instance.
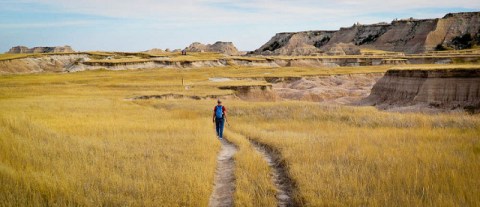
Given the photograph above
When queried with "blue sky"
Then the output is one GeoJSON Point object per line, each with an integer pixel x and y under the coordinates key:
{"type": "Point", "coordinates": [126, 25]}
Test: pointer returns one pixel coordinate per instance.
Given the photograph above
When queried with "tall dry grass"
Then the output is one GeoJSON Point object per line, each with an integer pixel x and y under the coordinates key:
{"type": "Point", "coordinates": [75, 139]}
{"type": "Point", "coordinates": [359, 156]}
{"type": "Point", "coordinates": [253, 178]}
{"type": "Point", "coordinates": [72, 140]}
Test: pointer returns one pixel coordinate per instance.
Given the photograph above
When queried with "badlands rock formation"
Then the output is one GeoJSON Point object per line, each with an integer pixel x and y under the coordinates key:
{"type": "Point", "coordinates": [46, 63]}
{"type": "Point", "coordinates": [71, 62]}
{"type": "Point", "coordinates": [422, 89]}
{"type": "Point", "coordinates": [296, 43]}
{"type": "Point", "coordinates": [341, 89]}
{"type": "Point", "coordinates": [455, 31]}
{"type": "Point", "coordinates": [221, 47]}
{"type": "Point", "coordinates": [23, 50]}
{"type": "Point", "coordinates": [154, 51]}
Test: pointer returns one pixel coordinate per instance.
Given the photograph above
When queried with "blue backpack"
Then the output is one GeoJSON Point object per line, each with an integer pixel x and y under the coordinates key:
{"type": "Point", "coordinates": [219, 112]}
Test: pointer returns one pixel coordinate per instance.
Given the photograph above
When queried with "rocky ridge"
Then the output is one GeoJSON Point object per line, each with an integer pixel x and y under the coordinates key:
{"type": "Point", "coordinates": [453, 31]}
{"type": "Point", "coordinates": [26, 50]}
{"type": "Point", "coordinates": [221, 47]}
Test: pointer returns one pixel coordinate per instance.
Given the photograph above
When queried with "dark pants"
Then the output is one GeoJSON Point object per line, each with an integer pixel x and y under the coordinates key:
{"type": "Point", "coordinates": [219, 126]}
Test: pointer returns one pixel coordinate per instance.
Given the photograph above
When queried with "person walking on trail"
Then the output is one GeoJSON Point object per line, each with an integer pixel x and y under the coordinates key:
{"type": "Point", "coordinates": [219, 118]}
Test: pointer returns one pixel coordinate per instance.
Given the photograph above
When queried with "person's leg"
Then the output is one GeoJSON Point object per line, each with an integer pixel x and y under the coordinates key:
{"type": "Point", "coordinates": [222, 123]}
{"type": "Point", "coordinates": [217, 127]}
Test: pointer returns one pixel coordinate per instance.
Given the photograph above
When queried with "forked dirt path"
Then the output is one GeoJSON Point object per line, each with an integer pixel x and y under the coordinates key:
{"type": "Point", "coordinates": [283, 183]}
{"type": "Point", "coordinates": [224, 189]}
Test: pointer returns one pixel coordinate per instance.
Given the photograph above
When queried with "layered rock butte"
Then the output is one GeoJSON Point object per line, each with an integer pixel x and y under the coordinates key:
{"type": "Point", "coordinates": [221, 47]}
{"type": "Point", "coordinates": [420, 89]}
{"type": "Point", "coordinates": [26, 50]}
{"type": "Point", "coordinates": [454, 30]}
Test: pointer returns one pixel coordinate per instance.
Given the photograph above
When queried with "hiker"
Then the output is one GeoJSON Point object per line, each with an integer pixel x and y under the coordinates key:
{"type": "Point", "coordinates": [219, 118]}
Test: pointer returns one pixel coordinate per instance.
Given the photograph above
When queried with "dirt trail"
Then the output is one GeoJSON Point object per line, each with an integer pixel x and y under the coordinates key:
{"type": "Point", "coordinates": [284, 184]}
{"type": "Point", "coordinates": [224, 189]}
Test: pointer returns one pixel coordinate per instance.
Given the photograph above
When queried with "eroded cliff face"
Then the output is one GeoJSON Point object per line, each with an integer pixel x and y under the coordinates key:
{"type": "Point", "coordinates": [51, 63]}
{"type": "Point", "coordinates": [301, 43]}
{"type": "Point", "coordinates": [455, 31]}
{"type": "Point", "coordinates": [406, 36]}
{"type": "Point", "coordinates": [458, 31]}
{"type": "Point", "coordinates": [417, 90]}
{"type": "Point", "coordinates": [25, 50]}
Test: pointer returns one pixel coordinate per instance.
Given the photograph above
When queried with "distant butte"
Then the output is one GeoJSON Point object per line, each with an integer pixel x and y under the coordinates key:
{"type": "Point", "coordinates": [26, 50]}
{"type": "Point", "coordinates": [411, 36]}
{"type": "Point", "coordinates": [221, 47]}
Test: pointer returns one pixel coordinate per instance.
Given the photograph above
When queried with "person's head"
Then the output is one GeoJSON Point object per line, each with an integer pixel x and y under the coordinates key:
{"type": "Point", "coordinates": [219, 102]}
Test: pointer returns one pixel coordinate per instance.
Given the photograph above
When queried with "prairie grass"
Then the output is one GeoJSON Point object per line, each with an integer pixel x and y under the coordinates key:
{"type": "Point", "coordinates": [438, 67]}
{"type": "Point", "coordinates": [475, 49]}
{"type": "Point", "coordinates": [7, 56]}
{"type": "Point", "coordinates": [121, 60]}
{"type": "Point", "coordinates": [73, 139]}
{"type": "Point", "coordinates": [195, 56]}
{"type": "Point", "coordinates": [127, 84]}
{"type": "Point", "coordinates": [69, 140]}
{"type": "Point", "coordinates": [253, 179]}
{"type": "Point", "coordinates": [362, 157]}
{"type": "Point", "coordinates": [101, 152]}
{"type": "Point", "coordinates": [366, 51]}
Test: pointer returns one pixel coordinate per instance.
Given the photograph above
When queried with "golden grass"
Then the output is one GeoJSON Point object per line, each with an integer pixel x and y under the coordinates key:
{"type": "Point", "coordinates": [121, 60]}
{"type": "Point", "coordinates": [69, 140]}
{"type": "Point", "coordinates": [438, 67]}
{"type": "Point", "coordinates": [7, 56]}
{"type": "Point", "coordinates": [73, 139]}
{"type": "Point", "coordinates": [359, 156]}
{"type": "Point", "coordinates": [475, 49]}
{"type": "Point", "coordinates": [395, 59]}
{"type": "Point", "coordinates": [253, 180]}
{"type": "Point", "coordinates": [102, 152]}
{"type": "Point", "coordinates": [139, 57]}
{"type": "Point", "coordinates": [195, 56]}
{"type": "Point", "coordinates": [248, 58]}
{"type": "Point", "coordinates": [100, 53]}
{"type": "Point", "coordinates": [367, 51]}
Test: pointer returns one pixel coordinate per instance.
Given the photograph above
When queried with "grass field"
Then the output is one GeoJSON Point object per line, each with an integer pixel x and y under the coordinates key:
{"type": "Point", "coordinates": [75, 139]}
{"type": "Point", "coordinates": [81, 144]}
{"type": "Point", "coordinates": [13, 56]}
{"type": "Point", "coordinates": [362, 157]}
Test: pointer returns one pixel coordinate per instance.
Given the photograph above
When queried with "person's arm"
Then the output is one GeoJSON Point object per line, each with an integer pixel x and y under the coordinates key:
{"type": "Point", "coordinates": [225, 113]}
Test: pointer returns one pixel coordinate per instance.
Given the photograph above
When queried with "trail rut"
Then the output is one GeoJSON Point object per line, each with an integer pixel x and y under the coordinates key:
{"type": "Point", "coordinates": [224, 189]}
{"type": "Point", "coordinates": [283, 183]}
